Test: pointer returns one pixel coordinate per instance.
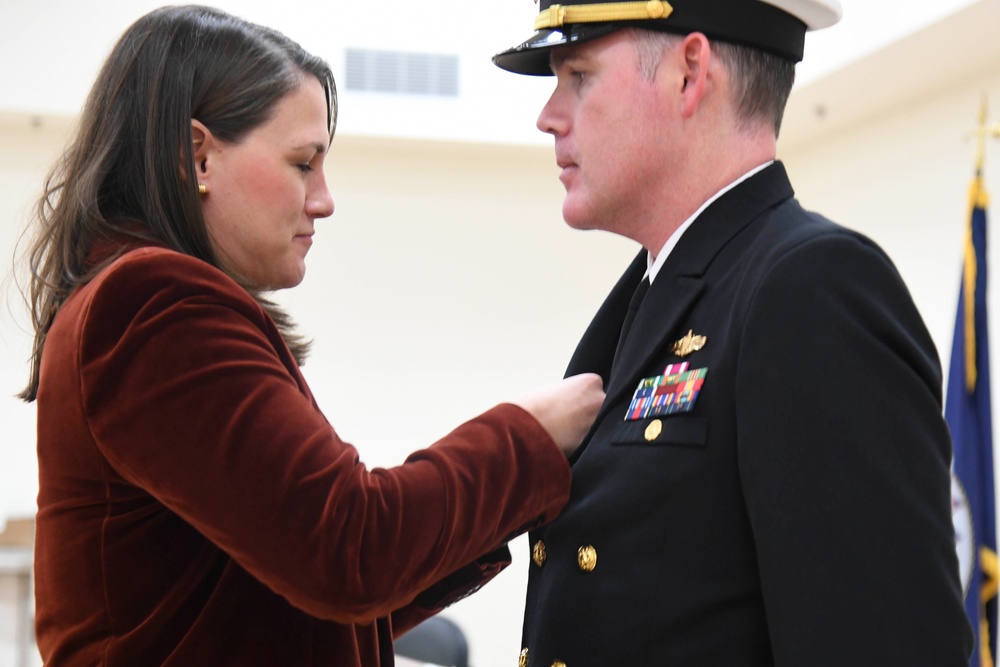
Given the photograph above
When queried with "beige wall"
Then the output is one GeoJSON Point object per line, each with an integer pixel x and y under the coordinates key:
{"type": "Point", "coordinates": [27, 148]}
{"type": "Point", "coordinates": [447, 271]}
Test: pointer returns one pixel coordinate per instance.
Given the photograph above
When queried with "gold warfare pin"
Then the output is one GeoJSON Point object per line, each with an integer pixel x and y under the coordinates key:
{"type": "Point", "coordinates": [690, 343]}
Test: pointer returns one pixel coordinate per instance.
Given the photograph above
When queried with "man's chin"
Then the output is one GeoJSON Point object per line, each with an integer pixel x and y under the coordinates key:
{"type": "Point", "coordinates": [577, 219]}
{"type": "Point", "coordinates": [580, 227]}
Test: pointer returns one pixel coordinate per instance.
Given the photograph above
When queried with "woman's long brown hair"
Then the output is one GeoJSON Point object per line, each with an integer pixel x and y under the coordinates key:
{"type": "Point", "coordinates": [126, 175]}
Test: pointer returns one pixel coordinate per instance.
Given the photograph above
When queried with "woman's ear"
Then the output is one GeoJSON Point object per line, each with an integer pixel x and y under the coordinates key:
{"type": "Point", "coordinates": [201, 143]}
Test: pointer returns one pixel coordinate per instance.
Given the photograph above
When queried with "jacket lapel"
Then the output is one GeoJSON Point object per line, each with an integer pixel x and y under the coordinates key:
{"type": "Point", "coordinates": [596, 349]}
{"type": "Point", "coordinates": [676, 290]}
{"type": "Point", "coordinates": [664, 308]}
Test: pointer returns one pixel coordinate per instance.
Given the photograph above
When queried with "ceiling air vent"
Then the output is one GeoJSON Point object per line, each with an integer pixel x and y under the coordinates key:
{"type": "Point", "coordinates": [404, 73]}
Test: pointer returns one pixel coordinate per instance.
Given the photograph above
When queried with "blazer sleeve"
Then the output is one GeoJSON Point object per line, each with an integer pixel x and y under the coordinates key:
{"type": "Point", "coordinates": [844, 456]}
{"type": "Point", "coordinates": [453, 588]}
{"type": "Point", "coordinates": [188, 393]}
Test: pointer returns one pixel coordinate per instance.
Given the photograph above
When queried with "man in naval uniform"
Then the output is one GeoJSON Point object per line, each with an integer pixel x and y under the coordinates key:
{"type": "Point", "coordinates": [767, 482]}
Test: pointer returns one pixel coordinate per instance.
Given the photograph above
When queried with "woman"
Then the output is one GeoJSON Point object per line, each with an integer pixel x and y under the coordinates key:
{"type": "Point", "coordinates": [195, 507]}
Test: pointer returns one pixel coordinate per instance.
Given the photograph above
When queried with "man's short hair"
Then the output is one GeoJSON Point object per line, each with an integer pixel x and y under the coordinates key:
{"type": "Point", "coordinates": [761, 81]}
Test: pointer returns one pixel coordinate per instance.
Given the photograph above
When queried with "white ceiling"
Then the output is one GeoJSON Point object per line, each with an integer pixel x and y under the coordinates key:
{"type": "Point", "coordinates": [50, 51]}
{"type": "Point", "coordinates": [960, 46]}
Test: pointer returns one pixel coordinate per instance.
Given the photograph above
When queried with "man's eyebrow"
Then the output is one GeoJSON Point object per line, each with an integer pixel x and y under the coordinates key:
{"type": "Point", "coordinates": [560, 57]}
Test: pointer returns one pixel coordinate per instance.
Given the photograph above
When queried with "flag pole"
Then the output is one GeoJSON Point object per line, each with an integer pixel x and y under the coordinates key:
{"type": "Point", "coordinates": [987, 555]}
{"type": "Point", "coordinates": [967, 411]}
{"type": "Point", "coordinates": [977, 199]}
{"type": "Point", "coordinates": [984, 131]}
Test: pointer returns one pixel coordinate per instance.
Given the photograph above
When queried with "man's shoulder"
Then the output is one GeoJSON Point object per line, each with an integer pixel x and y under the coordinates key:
{"type": "Point", "coordinates": [789, 225]}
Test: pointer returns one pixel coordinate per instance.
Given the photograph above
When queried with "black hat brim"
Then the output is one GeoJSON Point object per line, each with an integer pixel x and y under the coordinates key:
{"type": "Point", "coordinates": [532, 55]}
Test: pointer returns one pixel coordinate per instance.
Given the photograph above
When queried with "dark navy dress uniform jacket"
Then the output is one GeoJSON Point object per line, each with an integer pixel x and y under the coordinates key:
{"type": "Point", "coordinates": [799, 514]}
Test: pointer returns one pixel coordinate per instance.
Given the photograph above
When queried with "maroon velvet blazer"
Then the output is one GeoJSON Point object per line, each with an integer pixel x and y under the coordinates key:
{"type": "Point", "coordinates": [196, 508]}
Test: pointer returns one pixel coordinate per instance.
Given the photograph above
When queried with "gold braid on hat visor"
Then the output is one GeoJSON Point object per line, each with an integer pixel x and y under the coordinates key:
{"type": "Point", "coordinates": [558, 15]}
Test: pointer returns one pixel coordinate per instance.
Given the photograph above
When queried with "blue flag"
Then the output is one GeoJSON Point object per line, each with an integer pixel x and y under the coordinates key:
{"type": "Point", "coordinates": [967, 411]}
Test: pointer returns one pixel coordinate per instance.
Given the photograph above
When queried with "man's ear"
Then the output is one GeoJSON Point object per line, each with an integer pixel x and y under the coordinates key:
{"type": "Point", "coordinates": [695, 54]}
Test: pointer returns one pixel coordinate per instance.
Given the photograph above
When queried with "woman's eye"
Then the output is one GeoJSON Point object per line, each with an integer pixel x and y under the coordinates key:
{"type": "Point", "coordinates": [304, 168]}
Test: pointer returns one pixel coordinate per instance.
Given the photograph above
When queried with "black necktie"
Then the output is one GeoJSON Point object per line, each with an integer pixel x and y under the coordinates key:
{"type": "Point", "coordinates": [633, 308]}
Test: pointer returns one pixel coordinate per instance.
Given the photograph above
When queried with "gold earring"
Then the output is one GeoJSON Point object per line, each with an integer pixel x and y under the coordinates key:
{"type": "Point", "coordinates": [202, 189]}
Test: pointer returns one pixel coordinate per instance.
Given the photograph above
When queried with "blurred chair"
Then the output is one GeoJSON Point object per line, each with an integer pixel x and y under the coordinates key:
{"type": "Point", "coordinates": [437, 641]}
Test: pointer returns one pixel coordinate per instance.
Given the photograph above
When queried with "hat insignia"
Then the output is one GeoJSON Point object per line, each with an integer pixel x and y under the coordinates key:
{"type": "Point", "coordinates": [556, 16]}
{"type": "Point", "coordinates": [690, 343]}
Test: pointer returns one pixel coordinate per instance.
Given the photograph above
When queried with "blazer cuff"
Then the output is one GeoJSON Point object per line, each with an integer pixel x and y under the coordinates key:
{"type": "Point", "coordinates": [465, 581]}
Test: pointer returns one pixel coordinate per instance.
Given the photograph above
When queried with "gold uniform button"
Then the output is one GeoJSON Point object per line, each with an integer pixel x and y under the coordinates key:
{"type": "Point", "coordinates": [653, 430]}
{"type": "Point", "coordinates": [538, 553]}
{"type": "Point", "coordinates": [522, 660]}
{"type": "Point", "coordinates": [558, 663]}
{"type": "Point", "coordinates": [586, 558]}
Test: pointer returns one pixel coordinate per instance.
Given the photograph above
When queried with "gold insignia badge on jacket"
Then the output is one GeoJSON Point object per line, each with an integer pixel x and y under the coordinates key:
{"type": "Point", "coordinates": [690, 343]}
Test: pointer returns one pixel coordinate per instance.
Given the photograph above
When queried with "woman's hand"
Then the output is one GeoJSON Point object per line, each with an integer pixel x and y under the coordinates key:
{"type": "Point", "coordinates": [566, 409]}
